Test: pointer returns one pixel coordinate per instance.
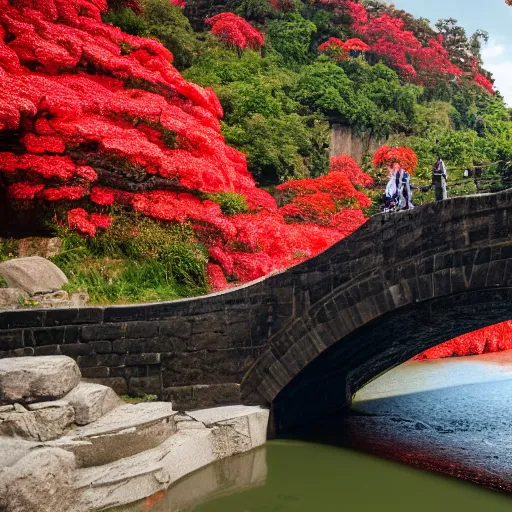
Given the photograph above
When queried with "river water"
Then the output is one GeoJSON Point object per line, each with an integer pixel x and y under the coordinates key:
{"type": "Point", "coordinates": [451, 416]}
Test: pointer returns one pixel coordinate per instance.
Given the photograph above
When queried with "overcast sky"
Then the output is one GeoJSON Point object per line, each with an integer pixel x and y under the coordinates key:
{"type": "Point", "coordinates": [492, 15]}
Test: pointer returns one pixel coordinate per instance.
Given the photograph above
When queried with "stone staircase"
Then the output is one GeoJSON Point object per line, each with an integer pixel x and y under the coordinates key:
{"type": "Point", "coordinates": [69, 445]}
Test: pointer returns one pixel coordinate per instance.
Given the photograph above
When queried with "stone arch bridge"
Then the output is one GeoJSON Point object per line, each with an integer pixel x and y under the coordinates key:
{"type": "Point", "coordinates": [306, 339]}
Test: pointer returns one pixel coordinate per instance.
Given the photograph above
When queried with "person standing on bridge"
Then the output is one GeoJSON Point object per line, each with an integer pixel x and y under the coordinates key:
{"type": "Point", "coordinates": [403, 186]}
{"type": "Point", "coordinates": [439, 177]}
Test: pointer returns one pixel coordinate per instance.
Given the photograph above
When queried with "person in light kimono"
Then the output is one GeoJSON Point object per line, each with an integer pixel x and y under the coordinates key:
{"type": "Point", "coordinates": [398, 188]}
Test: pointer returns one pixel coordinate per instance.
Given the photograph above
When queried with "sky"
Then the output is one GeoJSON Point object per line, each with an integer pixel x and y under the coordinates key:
{"type": "Point", "coordinates": [494, 16]}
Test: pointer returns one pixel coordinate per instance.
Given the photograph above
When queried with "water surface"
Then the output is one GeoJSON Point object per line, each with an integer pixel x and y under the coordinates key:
{"type": "Point", "coordinates": [450, 416]}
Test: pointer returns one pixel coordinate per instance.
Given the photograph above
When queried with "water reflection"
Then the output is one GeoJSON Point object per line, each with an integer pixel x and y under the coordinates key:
{"type": "Point", "coordinates": [225, 477]}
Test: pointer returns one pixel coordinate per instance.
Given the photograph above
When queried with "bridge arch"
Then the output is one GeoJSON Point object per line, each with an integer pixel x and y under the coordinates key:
{"type": "Point", "coordinates": [399, 285]}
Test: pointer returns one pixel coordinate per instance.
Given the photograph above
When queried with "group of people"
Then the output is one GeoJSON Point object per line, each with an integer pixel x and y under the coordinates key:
{"type": "Point", "coordinates": [398, 194]}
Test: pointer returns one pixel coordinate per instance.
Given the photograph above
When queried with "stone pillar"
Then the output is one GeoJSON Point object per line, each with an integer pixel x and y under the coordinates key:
{"type": "Point", "coordinates": [439, 182]}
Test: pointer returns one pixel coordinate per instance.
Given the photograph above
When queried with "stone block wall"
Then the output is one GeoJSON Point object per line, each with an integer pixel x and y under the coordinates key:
{"type": "Point", "coordinates": [191, 352]}
{"type": "Point", "coordinates": [248, 344]}
{"type": "Point", "coordinates": [345, 142]}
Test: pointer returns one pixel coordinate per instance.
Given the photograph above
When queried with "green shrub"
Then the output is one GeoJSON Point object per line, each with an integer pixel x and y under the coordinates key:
{"type": "Point", "coordinates": [230, 203]}
{"type": "Point", "coordinates": [136, 260]}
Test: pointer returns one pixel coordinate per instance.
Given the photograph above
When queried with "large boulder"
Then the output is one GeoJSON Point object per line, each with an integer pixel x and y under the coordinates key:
{"type": "Point", "coordinates": [33, 275]}
{"type": "Point", "coordinates": [92, 401]}
{"type": "Point", "coordinates": [42, 481]}
{"type": "Point", "coordinates": [46, 421]}
{"type": "Point", "coordinates": [29, 379]}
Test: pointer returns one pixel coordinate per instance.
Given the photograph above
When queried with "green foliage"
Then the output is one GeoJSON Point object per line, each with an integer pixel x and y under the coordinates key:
{"type": "Point", "coordinates": [278, 103]}
{"type": "Point", "coordinates": [137, 260]}
{"type": "Point", "coordinates": [281, 148]}
{"type": "Point", "coordinates": [291, 38]}
{"type": "Point", "coordinates": [126, 20]}
{"type": "Point", "coordinates": [230, 203]}
{"type": "Point", "coordinates": [375, 101]}
{"type": "Point", "coordinates": [164, 21]}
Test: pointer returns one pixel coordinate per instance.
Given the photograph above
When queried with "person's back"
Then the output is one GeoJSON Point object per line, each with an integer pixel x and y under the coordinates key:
{"type": "Point", "coordinates": [439, 177]}
{"type": "Point", "coordinates": [440, 168]}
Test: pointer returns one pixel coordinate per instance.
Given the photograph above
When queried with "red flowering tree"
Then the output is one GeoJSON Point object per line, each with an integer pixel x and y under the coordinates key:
{"type": "Point", "coordinates": [235, 31]}
{"type": "Point", "coordinates": [432, 64]}
{"type": "Point", "coordinates": [102, 119]}
{"type": "Point", "coordinates": [484, 82]}
{"type": "Point", "coordinates": [335, 48]}
{"type": "Point", "coordinates": [340, 50]}
{"type": "Point", "coordinates": [331, 200]}
{"type": "Point", "coordinates": [386, 157]}
{"type": "Point", "coordinates": [400, 48]}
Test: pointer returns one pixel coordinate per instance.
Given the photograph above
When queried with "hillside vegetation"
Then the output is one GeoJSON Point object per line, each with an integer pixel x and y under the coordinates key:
{"type": "Point", "coordinates": [179, 147]}
{"type": "Point", "coordinates": [420, 84]}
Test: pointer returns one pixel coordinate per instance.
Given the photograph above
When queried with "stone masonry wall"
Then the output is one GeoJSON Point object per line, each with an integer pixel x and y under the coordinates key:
{"type": "Point", "coordinates": [201, 352]}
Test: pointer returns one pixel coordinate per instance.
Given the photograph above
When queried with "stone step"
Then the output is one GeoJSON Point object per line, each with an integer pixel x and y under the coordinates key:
{"type": "Point", "coordinates": [123, 432]}
{"type": "Point", "coordinates": [43, 421]}
{"type": "Point", "coordinates": [230, 431]}
{"type": "Point", "coordinates": [31, 379]}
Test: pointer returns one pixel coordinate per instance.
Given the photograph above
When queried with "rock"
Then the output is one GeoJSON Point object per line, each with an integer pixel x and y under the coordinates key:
{"type": "Point", "coordinates": [188, 450]}
{"type": "Point", "coordinates": [14, 449]}
{"type": "Point", "coordinates": [43, 424]}
{"type": "Point", "coordinates": [33, 275]}
{"type": "Point", "coordinates": [47, 405]}
{"type": "Point", "coordinates": [91, 402]}
{"type": "Point", "coordinates": [78, 300]}
{"type": "Point", "coordinates": [236, 428]}
{"type": "Point", "coordinates": [37, 246]}
{"type": "Point", "coordinates": [121, 433]}
{"type": "Point", "coordinates": [29, 379]}
{"type": "Point", "coordinates": [11, 297]}
{"type": "Point", "coordinates": [42, 481]}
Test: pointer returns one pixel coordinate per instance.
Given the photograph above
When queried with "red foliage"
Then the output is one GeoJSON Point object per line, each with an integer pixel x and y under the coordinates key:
{"type": "Point", "coordinates": [179, 3]}
{"type": "Point", "coordinates": [216, 278]}
{"type": "Point", "coordinates": [355, 44]}
{"type": "Point", "coordinates": [386, 157]}
{"type": "Point", "coordinates": [491, 339]}
{"type": "Point", "coordinates": [340, 50]}
{"type": "Point", "coordinates": [335, 47]}
{"type": "Point", "coordinates": [433, 64]}
{"type": "Point", "coordinates": [399, 48]}
{"type": "Point", "coordinates": [235, 31]}
{"type": "Point", "coordinates": [350, 168]}
{"type": "Point", "coordinates": [485, 83]}
{"type": "Point", "coordinates": [92, 105]}
{"type": "Point", "coordinates": [78, 219]}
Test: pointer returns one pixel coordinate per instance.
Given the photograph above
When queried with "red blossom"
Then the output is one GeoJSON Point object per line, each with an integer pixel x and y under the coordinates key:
{"type": "Point", "coordinates": [100, 221]}
{"type": "Point", "coordinates": [485, 83]}
{"type": "Point", "coordinates": [215, 277]}
{"type": "Point", "coordinates": [24, 190]}
{"type": "Point", "coordinates": [78, 220]}
{"type": "Point", "coordinates": [386, 157]}
{"type": "Point", "coordinates": [102, 196]}
{"type": "Point", "coordinates": [235, 30]}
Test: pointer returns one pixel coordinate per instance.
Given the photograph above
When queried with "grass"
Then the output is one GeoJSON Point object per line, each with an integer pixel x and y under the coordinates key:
{"type": "Point", "coordinates": [137, 260]}
{"type": "Point", "coordinates": [139, 399]}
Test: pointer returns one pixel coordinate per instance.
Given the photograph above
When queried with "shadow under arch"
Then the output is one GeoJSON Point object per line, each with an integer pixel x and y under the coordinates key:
{"type": "Point", "coordinates": [327, 384]}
